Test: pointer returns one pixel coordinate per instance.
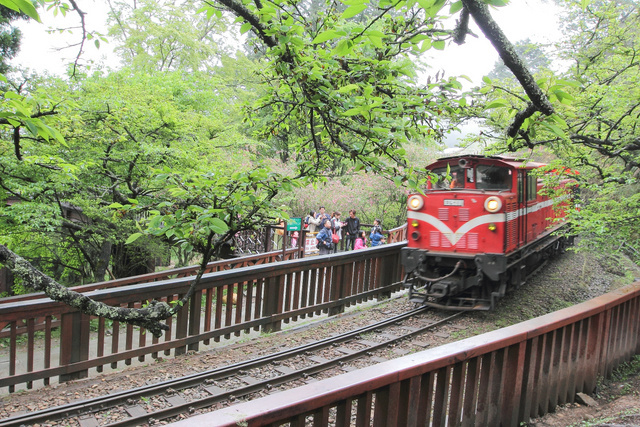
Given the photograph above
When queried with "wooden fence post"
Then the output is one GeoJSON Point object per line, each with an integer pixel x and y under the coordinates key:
{"type": "Point", "coordinates": [74, 343]}
{"type": "Point", "coordinates": [386, 272]}
{"type": "Point", "coordinates": [337, 284]}
{"type": "Point", "coordinates": [272, 302]}
{"type": "Point", "coordinates": [195, 314]}
{"type": "Point", "coordinates": [182, 323]}
{"type": "Point", "coordinates": [267, 238]}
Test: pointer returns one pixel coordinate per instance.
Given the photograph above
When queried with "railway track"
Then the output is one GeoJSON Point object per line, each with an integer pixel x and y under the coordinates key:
{"type": "Point", "coordinates": [244, 380]}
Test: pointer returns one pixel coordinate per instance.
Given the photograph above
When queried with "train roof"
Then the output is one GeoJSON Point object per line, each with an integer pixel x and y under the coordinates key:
{"type": "Point", "coordinates": [510, 161]}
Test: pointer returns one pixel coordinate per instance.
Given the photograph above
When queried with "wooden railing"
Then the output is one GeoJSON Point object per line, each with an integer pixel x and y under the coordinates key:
{"type": "Point", "coordinates": [396, 235]}
{"type": "Point", "coordinates": [504, 377]}
{"type": "Point", "coordinates": [227, 264]}
{"type": "Point", "coordinates": [265, 296]}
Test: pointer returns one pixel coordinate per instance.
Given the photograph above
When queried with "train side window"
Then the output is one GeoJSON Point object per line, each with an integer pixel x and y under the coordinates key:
{"type": "Point", "coordinates": [521, 178]}
{"type": "Point", "coordinates": [491, 177]}
{"type": "Point", "coordinates": [532, 187]}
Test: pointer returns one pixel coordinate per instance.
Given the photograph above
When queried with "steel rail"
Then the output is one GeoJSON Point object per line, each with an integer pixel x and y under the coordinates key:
{"type": "Point", "coordinates": [124, 397]}
{"type": "Point", "coordinates": [190, 407]}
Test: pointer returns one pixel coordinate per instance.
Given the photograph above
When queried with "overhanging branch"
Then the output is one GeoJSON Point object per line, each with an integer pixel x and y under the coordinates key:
{"type": "Point", "coordinates": [480, 13]}
{"type": "Point", "coordinates": [149, 317]}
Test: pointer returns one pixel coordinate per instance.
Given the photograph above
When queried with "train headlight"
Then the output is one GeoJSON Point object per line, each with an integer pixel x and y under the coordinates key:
{"type": "Point", "coordinates": [415, 203]}
{"type": "Point", "coordinates": [493, 204]}
{"type": "Point", "coordinates": [415, 223]}
{"type": "Point", "coordinates": [493, 227]}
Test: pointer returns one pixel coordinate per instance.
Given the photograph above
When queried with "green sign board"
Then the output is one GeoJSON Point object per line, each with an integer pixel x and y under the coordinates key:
{"type": "Point", "coordinates": [294, 224]}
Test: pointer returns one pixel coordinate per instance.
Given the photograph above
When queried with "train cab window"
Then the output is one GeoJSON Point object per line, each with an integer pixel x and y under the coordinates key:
{"type": "Point", "coordinates": [456, 178]}
{"type": "Point", "coordinates": [491, 177]}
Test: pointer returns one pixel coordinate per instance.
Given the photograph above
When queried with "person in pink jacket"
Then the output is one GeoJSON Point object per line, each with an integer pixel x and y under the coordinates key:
{"type": "Point", "coordinates": [361, 241]}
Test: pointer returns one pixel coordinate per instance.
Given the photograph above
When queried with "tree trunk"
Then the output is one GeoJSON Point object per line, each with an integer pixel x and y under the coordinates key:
{"type": "Point", "coordinates": [103, 262]}
{"type": "Point", "coordinates": [131, 261]}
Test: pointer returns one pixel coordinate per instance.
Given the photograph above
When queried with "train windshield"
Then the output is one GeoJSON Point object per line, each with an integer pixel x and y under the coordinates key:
{"type": "Point", "coordinates": [491, 177]}
{"type": "Point", "coordinates": [456, 178]}
{"type": "Point", "coordinates": [485, 177]}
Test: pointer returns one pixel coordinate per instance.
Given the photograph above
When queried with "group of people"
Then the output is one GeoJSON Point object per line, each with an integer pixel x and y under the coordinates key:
{"type": "Point", "coordinates": [331, 229]}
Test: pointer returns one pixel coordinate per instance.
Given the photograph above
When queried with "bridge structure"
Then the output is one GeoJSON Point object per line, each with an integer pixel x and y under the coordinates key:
{"type": "Point", "coordinates": [503, 377]}
{"type": "Point", "coordinates": [45, 339]}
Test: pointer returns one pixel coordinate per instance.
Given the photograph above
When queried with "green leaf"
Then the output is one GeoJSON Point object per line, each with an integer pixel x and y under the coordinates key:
{"type": "Point", "coordinates": [438, 44]}
{"type": "Point", "coordinates": [325, 36]}
{"type": "Point", "coordinates": [486, 79]}
{"type": "Point", "coordinates": [554, 129]}
{"type": "Point", "coordinates": [564, 97]}
{"type": "Point", "coordinates": [132, 238]}
{"type": "Point", "coordinates": [498, 103]}
{"type": "Point", "coordinates": [353, 11]}
{"type": "Point", "coordinates": [115, 205]}
{"type": "Point", "coordinates": [219, 226]}
{"type": "Point", "coordinates": [376, 41]}
{"type": "Point", "coordinates": [497, 3]}
{"type": "Point", "coordinates": [455, 7]}
{"type": "Point", "coordinates": [343, 48]}
{"type": "Point", "coordinates": [353, 111]}
{"type": "Point", "coordinates": [33, 128]}
{"type": "Point", "coordinates": [348, 88]}
{"type": "Point", "coordinates": [22, 6]}
{"type": "Point", "coordinates": [571, 83]}
{"type": "Point", "coordinates": [426, 4]}
{"type": "Point", "coordinates": [245, 27]}
{"type": "Point", "coordinates": [211, 11]}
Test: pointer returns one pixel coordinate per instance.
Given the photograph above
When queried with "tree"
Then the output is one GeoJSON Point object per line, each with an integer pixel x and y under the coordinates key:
{"type": "Point", "coordinates": [596, 129]}
{"type": "Point", "coordinates": [165, 36]}
{"type": "Point", "coordinates": [346, 80]}
{"type": "Point", "coordinates": [9, 36]}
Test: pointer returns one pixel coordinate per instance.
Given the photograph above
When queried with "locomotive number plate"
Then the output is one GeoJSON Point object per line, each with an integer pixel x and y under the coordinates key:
{"type": "Point", "coordinates": [452, 202]}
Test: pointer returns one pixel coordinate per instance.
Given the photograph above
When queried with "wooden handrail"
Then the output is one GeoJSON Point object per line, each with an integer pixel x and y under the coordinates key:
{"type": "Point", "coordinates": [504, 377]}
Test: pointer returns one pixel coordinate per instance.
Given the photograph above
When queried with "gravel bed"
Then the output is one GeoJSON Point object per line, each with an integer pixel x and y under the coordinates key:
{"type": "Point", "coordinates": [569, 279]}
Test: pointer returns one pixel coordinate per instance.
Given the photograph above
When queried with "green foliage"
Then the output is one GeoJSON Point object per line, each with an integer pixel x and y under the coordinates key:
{"type": "Point", "coordinates": [120, 130]}
{"type": "Point", "coordinates": [340, 83]}
{"type": "Point", "coordinates": [201, 209]}
{"type": "Point", "coordinates": [21, 6]}
{"type": "Point", "coordinates": [609, 218]}
{"type": "Point", "coordinates": [166, 36]}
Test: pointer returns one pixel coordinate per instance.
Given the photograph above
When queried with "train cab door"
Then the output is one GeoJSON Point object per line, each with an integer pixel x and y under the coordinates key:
{"type": "Point", "coordinates": [522, 207]}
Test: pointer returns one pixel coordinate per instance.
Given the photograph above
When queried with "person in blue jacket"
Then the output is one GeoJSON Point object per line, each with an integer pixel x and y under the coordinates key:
{"type": "Point", "coordinates": [325, 244]}
{"type": "Point", "coordinates": [376, 237]}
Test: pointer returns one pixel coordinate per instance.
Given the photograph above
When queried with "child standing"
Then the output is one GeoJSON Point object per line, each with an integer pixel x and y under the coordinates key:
{"type": "Point", "coordinates": [361, 241]}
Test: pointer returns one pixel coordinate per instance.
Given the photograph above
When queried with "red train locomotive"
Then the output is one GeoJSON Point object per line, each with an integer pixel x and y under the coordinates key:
{"type": "Point", "coordinates": [481, 227]}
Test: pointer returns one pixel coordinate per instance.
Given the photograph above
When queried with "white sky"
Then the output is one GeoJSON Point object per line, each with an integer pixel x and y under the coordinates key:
{"type": "Point", "coordinates": [519, 20]}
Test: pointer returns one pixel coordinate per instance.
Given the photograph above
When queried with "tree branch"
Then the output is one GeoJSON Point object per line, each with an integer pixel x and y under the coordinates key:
{"type": "Point", "coordinates": [149, 317]}
{"type": "Point", "coordinates": [507, 52]}
{"type": "Point", "coordinates": [240, 10]}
